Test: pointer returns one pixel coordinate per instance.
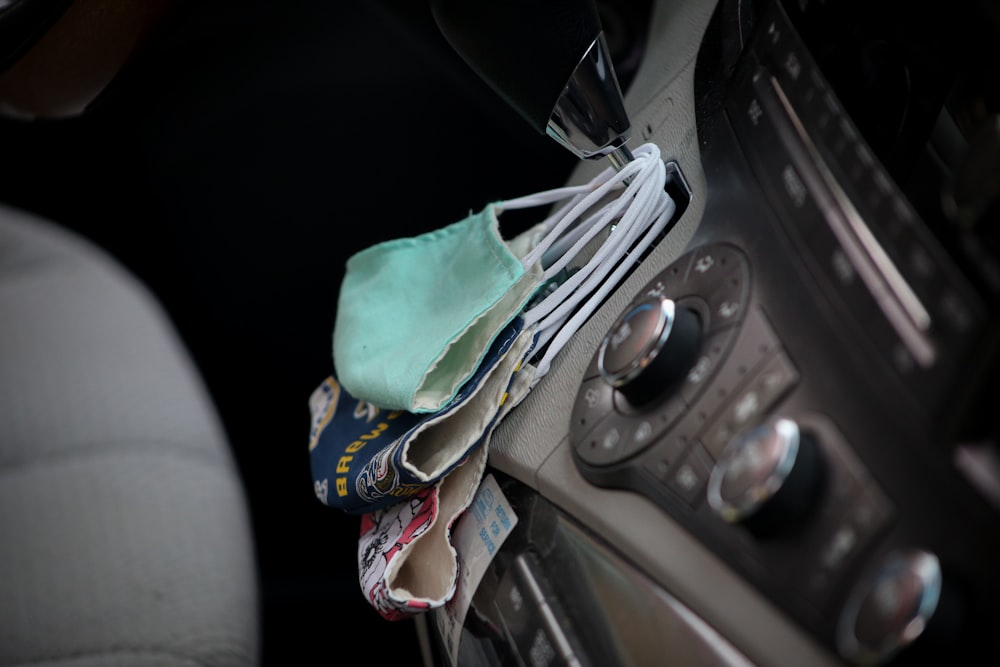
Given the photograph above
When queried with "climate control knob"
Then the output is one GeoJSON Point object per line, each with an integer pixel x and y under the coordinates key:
{"type": "Point", "coordinates": [650, 349]}
{"type": "Point", "coordinates": [902, 600]}
{"type": "Point", "coordinates": [768, 478]}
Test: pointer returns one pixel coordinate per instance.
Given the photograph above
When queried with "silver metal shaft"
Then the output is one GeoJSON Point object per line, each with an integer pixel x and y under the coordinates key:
{"type": "Point", "coordinates": [620, 157]}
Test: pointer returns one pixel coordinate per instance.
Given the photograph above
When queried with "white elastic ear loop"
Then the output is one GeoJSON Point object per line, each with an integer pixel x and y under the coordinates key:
{"type": "Point", "coordinates": [561, 246]}
{"type": "Point", "coordinates": [607, 182]}
{"type": "Point", "coordinates": [544, 197]}
{"type": "Point", "coordinates": [583, 233]}
{"type": "Point", "coordinates": [642, 213]}
{"type": "Point", "coordinates": [573, 192]}
{"type": "Point", "coordinates": [564, 218]}
{"type": "Point", "coordinates": [566, 332]}
{"type": "Point", "coordinates": [646, 211]}
{"type": "Point", "coordinates": [567, 296]}
{"type": "Point", "coordinates": [559, 327]}
{"type": "Point", "coordinates": [625, 237]}
{"type": "Point", "coordinates": [637, 215]}
{"type": "Point", "coordinates": [561, 296]}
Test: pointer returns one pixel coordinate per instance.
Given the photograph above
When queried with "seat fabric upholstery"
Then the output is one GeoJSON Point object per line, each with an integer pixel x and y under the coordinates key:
{"type": "Point", "coordinates": [125, 537]}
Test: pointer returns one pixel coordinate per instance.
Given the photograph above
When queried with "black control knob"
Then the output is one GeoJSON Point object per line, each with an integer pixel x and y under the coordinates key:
{"type": "Point", "coordinates": [650, 349]}
{"type": "Point", "coordinates": [903, 600]}
{"type": "Point", "coordinates": [768, 478]}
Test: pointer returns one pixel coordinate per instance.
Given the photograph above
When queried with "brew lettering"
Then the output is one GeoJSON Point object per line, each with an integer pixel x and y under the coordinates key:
{"type": "Point", "coordinates": [374, 434]}
{"type": "Point", "coordinates": [344, 464]}
{"type": "Point", "coordinates": [358, 444]}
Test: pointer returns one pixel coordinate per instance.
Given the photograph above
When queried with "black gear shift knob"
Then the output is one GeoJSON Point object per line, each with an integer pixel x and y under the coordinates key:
{"type": "Point", "coordinates": [549, 61]}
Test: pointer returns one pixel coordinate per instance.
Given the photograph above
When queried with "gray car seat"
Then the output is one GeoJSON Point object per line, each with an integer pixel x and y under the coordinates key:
{"type": "Point", "coordinates": [125, 537]}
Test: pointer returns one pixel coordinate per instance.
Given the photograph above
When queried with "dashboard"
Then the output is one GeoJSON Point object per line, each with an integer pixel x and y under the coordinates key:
{"type": "Point", "coordinates": [774, 444]}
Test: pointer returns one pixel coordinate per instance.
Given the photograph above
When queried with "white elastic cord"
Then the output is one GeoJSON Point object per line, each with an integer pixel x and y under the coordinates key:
{"type": "Point", "coordinates": [636, 215]}
{"type": "Point", "coordinates": [610, 249]}
{"type": "Point", "coordinates": [564, 293]}
{"type": "Point", "coordinates": [566, 216]}
{"type": "Point", "coordinates": [647, 210]}
{"type": "Point", "coordinates": [564, 333]}
{"type": "Point", "coordinates": [545, 197]}
{"type": "Point", "coordinates": [617, 246]}
{"type": "Point", "coordinates": [644, 190]}
{"type": "Point", "coordinates": [567, 330]}
{"type": "Point", "coordinates": [563, 247]}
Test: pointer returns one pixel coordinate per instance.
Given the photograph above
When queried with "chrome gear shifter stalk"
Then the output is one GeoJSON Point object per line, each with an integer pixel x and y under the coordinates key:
{"type": "Point", "coordinates": [550, 61]}
{"type": "Point", "coordinates": [589, 118]}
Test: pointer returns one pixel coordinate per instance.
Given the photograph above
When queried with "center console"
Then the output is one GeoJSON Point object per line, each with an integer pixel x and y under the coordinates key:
{"type": "Point", "coordinates": [798, 393]}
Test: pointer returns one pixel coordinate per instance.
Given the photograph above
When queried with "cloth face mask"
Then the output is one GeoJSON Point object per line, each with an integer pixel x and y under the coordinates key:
{"type": "Point", "coordinates": [416, 316]}
{"type": "Point", "coordinates": [406, 561]}
{"type": "Point", "coordinates": [360, 463]}
{"type": "Point", "coordinates": [407, 564]}
{"type": "Point", "coordinates": [364, 457]}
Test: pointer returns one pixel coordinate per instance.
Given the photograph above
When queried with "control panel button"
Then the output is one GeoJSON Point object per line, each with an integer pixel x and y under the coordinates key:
{"type": "Point", "coordinates": [651, 422]}
{"type": "Point", "coordinates": [688, 478]}
{"type": "Point", "coordinates": [726, 302]}
{"type": "Point", "coordinates": [706, 364]}
{"type": "Point", "coordinates": [594, 401]}
{"type": "Point", "coordinates": [603, 445]}
{"type": "Point", "coordinates": [745, 349]}
{"type": "Point", "coordinates": [862, 513]}
{"type": "Point", "coordinates": [751, 401]}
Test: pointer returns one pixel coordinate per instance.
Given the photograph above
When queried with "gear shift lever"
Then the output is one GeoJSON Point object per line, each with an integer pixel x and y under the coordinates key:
{"type": "Point", "coordinates": [549, 60]}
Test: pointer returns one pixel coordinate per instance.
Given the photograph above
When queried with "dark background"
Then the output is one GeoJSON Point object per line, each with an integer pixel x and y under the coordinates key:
{"type": "Point", "coordinates": [234, 166]}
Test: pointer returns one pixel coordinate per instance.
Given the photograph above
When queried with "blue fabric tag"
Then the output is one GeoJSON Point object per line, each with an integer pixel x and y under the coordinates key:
{"type": "Point", "coordinates": [365, 458]}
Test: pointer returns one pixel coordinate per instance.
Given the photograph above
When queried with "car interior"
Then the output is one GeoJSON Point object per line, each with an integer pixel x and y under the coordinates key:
{"type": "Point", "coordinates": [773, 442]}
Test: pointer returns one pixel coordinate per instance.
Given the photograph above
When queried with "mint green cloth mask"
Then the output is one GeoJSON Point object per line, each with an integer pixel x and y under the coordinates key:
{"type": "Point", "coordinates": [416, 315]}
